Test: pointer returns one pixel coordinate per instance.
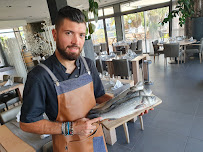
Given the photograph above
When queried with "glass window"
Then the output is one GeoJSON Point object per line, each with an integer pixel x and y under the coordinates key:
{"type": "Point", "coordinates": [22, 34]}
{"type": "Point", "coordinates": [154, 29]}
{"type": "Point", "coordinates": [7, 33]}
{"type": "Point", "coordinates": [98, 36]}
{"type": "Point", "coordinates": [108, 11]}
{"type": "Point", "coordinates": [134, 26]}
{"type": "Point", "coordinates": [146, 26]}
{"type": "Point", "coordinates": [111, 31]}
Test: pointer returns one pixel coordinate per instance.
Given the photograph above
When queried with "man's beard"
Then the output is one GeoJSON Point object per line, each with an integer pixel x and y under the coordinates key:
{"type": "Point", "coordinates": [69, 55]}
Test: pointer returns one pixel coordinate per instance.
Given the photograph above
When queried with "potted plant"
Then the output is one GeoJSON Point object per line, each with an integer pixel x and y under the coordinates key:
{"type": "Point", "coordinates": [88, 46]}
{"type": "Point", "coordinates": [183, 9]}
{"type": "Point", "coordinates": [93, 9]}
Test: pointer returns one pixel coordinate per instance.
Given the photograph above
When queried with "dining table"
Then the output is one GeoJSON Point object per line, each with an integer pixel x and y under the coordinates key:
{"type": "Point", "coordinates": [183, 43]}
{"type": "Point", "coordinates": [136, 61]}
{"type": "Point", "coordinates": [13, 139]}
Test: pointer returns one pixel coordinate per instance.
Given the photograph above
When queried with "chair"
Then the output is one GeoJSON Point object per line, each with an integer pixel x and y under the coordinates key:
{"type": "Point", "coordinates": [6, 77]}
{"type": "Point", "coordinates": [172, 50]}
{"type": "Point", "coordinates": [137, 48]}
{"type": "Point", "coordinates": [99, 66]}
{"type": "Point", "coordinates": [103, 47]}
{"type": "Point", "coordinates": [118, 52]}
{"type": "Point", "coordinates": [8, 95]}
{"type": "Point", "coordinates": [48, 147]}
{"type": "Point", "coordinates": [9, 115]}
{"type": "Point", "coordinates": [157, 51]}
{"type": "Point", "coordinates": [121, 68]}
{"type": "Point", "coordinates": [2, 106]}
{"type": "Point", "coordinates": [97, 49]}
{"type": "Point", "coordinates": [133, 46]}
{"type": "Point", "coordinates": [11, 97]}
{"type": "Point", "coordinates": [18, 79]}
{"type": "Point", "coordinates": [192, 51]}
{"type": "Point", "coordinates": [104, 66]}
{"type": "Point", "coordinates": [36, 62]}
{"type": "Point", "coordinates": [12, 101]}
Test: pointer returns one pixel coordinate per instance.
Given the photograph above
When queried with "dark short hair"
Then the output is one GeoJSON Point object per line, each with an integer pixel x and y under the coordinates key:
{"type": "Point", "coordinates": [70, 13]}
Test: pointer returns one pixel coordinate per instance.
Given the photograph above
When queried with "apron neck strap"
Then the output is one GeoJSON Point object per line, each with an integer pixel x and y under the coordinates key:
{"type": "Point", "coordinates": [86, 66]}
{"type": "Point", "coordinates": [56, 81]}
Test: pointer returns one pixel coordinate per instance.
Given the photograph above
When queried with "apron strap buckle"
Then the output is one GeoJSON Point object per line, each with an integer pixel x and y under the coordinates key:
{"type": "Point", "coordinates": [56, 83]}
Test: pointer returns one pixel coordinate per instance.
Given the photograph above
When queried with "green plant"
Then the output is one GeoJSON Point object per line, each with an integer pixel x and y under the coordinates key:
{"type": "Point", "coordinates": [183, 9]}
{"type": "Point", "coordinates": [93, 9]}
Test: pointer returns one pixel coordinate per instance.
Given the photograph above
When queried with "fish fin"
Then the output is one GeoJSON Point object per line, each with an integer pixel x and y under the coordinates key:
{"type": "Point", "coordinates": [92, 111]}
{"type": "Point", "coordinates": [139, 106]}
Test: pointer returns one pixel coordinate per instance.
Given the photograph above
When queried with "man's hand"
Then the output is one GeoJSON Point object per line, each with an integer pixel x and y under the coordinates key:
{"type": "Point", "coordinates": [146, 111]}
{"type": "Point", "coordinates": [84, 126]}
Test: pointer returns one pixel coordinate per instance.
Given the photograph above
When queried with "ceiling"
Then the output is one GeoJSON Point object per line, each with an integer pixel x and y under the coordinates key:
{"type": "Point", "coordinates": [37, 10]}
{"type": "Point", "coordinates": [29, 11]}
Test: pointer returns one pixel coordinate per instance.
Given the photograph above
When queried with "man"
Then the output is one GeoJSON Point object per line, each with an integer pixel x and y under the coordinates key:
{"type": "Point", "coordinates": [70, 97]}
{"type": "Point", "coordinates": [65, 87]}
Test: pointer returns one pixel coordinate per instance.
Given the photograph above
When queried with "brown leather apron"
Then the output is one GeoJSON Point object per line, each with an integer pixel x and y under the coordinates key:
{"type": "Point", "coordinates": [75, 99]}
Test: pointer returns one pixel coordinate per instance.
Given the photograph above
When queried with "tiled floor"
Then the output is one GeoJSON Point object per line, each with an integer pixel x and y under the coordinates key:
{"type": "Point", "coordinates": [177, 124]}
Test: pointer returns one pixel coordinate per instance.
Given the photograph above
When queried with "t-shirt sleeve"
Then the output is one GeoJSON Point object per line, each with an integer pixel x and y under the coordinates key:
{"type": "Point", "coordinates": [33, 101]}
{"type": "Point", "coordinates": [98, 86]}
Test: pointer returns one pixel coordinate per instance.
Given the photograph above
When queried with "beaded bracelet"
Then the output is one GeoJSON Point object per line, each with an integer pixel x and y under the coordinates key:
{"type": "Point", "coordinates": [63, 128]}
{"type": "Point", "coordinates": [67, 128]}
{"type": "Point", "coordinates": [71, 128]}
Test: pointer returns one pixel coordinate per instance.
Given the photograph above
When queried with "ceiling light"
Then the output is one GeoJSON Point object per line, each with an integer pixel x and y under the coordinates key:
{"type": "Point", "coordinates": [79, 6]}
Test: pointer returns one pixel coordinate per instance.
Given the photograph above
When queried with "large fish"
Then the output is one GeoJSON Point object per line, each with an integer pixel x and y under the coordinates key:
{"type": "Point", "coordinates": [122, 97]}
{"type": "Point", "coordinates": [114, 102]}
{"type": "Point", "coordinates": [126, 108]}
{"type": "Point", "coordinates": [128, 102]}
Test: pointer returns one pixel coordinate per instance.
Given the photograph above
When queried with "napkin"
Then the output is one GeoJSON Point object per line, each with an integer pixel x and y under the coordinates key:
{"type": "Point", "coordinates": [117, 85]}
{"type": "Point", "coordinates": [8, 83]}
{"type": "Point", "coordinates": [191, 39]}
{"type": "Point", "coordinates": [18, 117]}
{"type": "Point", "coordinates": [44, 136]}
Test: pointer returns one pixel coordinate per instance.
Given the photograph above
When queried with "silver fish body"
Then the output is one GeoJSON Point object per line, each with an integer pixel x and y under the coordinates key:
{"type": "Point", "coordinates": [128, 102]}
{"type": "Point", "coordinates": [145, 92]}
{"type": "Point", "coordinates": [124, 95]}
{"type": "Point", "coordinates": [122, 110]}
{"type": "Point", "coordinates": [115, 101]}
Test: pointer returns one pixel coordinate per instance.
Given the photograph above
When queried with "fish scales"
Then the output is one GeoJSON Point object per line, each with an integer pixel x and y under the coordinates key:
{"type": "Point", "coordinates": [133, 89]}
{"type": "Point", "coordinates": [124, 109]}
{"type": "Point", "coordinates": [128, 102]}
{"type": "Point", "coordinates": [111, 104]}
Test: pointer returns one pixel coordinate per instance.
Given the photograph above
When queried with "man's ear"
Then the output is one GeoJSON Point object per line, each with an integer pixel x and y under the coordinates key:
{"type": "Point", "coordinates": [54, 33]}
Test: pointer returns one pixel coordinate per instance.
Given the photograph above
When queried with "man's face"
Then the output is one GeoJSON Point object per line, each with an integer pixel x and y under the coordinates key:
{"type": "Point", "coordinates": [70, 38]}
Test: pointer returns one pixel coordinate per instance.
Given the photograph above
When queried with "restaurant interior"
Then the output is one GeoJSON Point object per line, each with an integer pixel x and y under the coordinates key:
{"type": "Point", "coordinates": [131, 44]}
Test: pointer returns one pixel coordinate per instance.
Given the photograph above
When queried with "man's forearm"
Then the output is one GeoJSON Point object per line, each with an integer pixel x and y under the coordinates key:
{"type": "Point", "coordinates": [42, 127]}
